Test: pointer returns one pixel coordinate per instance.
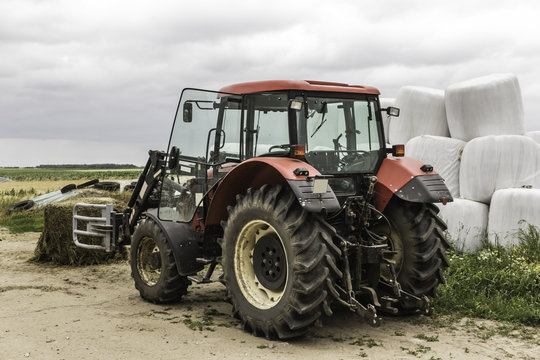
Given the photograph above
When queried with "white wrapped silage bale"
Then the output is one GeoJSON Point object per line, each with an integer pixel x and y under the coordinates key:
{"type": "Point", "coordinates": [386, 102]}
{"type": "Point", "coordinates": [490, 163]}
{"type": "Point", "coordinates": [443, 153]}
{"type": "Point", "coordinates": [422, 112]}
{"type": "Point", "coordinates": [535, 135]}
{"type": "Point", "coordinates": [490, 105]}
{"type": "Point", "coordinates": [467, 223]}
{"type": "Point", "coordinates": [511, 210]}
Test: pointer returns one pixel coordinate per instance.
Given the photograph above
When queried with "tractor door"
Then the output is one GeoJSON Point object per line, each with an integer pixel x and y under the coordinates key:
{"type": "Point", "coordinates": [200, 141]}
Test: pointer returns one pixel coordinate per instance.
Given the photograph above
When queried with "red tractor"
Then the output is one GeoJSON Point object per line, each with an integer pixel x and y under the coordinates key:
{"type": "Point", "coordinates": [289, 187]}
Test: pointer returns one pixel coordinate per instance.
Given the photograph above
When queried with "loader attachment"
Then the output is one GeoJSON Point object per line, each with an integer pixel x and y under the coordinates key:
{"type": "Point", "coordinates": [105, 227]}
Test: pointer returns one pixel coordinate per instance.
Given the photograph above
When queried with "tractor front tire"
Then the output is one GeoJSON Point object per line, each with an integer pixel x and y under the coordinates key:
{"type": "Point", "coordinates": [279, 263]}
{"type": "Point", "coordinates": [153, 266]}
{"type": "Point", "coordinates": [418, 240]}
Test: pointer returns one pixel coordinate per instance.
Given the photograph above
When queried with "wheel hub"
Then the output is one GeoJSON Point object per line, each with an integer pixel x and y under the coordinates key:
{"type": "Point", "coordinates": [260, 264]}
{"type": "Point", "coordinates": [149, 261]}
{"type": "Point", "coordinates": [268, 257]}
{"type": "Point", "coordinates": [155, 261]}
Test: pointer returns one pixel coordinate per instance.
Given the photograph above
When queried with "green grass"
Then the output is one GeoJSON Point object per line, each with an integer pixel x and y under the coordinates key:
{"type": "Point", "coordinates": [495, 283]}
{"type": "Point", "coordinates": [23, 222]}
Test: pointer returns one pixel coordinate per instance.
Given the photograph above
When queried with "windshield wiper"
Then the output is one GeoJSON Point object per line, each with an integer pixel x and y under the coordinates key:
{"type": "Point", "coordinates": [323, 120]}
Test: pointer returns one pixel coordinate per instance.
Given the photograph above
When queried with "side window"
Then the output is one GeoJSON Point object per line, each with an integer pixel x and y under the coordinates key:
{"type": "Point", "coordinates": [194, 135]}
{"type": "Point", "coordinates": [367, 137]}
{"type": "Point", "coordinates": [267, 123]}
{"type": "Point", "coordinates": [326, 123]}
{"type": "Point", "coordinates": [232, 126]}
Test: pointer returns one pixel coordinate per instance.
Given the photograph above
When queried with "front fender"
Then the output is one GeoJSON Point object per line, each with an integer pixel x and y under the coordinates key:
{"type": "Point", "coordinates": [404, 178]}
{"type": "Point", "coordinates": [256, 172]}
{"type": "Point", "coordinates": [183, 243]}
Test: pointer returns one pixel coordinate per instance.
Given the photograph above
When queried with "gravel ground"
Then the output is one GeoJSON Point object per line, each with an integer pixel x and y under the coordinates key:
{"type": "Point", "coordinates": [94, 312]}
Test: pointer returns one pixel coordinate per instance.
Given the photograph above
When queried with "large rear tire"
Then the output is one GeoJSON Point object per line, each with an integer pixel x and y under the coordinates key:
{"type": "Point", "coordinates": [417, 238]}
{"type": "Point", "coordinates": [153, 266]}
{"type": "Point", "coordinates": [279, 263]}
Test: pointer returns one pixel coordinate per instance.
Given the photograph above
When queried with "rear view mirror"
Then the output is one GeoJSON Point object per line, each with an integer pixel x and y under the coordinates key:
{"type": "Point", "coordinates": [392, 111]}
{"type": "Point", "coordinates": [188, 112]}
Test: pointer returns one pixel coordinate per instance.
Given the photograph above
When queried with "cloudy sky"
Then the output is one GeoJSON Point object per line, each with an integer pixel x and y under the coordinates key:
{"type": "Point", "coordinates": [98, 81]}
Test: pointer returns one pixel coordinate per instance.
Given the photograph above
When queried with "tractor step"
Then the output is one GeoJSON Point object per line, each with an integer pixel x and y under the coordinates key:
{"type": "Point", "coordinates": [199, 279]}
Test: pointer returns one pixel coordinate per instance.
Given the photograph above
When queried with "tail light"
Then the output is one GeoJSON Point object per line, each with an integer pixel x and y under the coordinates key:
{"type": "Point", "coordinates": [298, 151]}
{"type": "Point", "coordinates": [397, 150]}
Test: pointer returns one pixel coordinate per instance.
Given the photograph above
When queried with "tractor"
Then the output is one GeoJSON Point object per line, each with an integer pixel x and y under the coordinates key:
{"type": "Point", "coordinates": [290, 187]}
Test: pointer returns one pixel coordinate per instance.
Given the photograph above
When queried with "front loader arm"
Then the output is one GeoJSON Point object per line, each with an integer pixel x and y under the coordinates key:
{"type": "Point", "coordinates": [114, 228]}
{"type": "Point", "coordinates": [143, 196]}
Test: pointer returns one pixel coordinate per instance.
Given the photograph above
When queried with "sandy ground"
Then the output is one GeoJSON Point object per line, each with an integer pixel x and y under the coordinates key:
{"type": "Point", "coordinates": [94, 312]}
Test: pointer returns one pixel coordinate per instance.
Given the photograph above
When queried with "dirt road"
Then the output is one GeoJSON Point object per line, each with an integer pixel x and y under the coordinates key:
{"type": "Point", "coordinates": [94, 312]}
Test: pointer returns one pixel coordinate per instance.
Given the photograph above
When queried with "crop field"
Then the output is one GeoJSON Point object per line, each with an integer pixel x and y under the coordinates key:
{"type": "Point", "coordinates": [38, 174]}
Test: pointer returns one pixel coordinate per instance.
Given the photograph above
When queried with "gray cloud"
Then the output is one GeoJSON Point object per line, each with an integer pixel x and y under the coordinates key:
{"type": "Point", "coordinates": [111, 72]}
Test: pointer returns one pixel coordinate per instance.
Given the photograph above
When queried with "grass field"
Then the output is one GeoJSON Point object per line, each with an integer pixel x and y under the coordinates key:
{"type": "Point", "coordinates": [493, 283]}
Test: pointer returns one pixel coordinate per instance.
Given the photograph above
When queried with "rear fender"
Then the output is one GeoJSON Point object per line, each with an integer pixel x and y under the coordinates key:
{"type": "Point", "coordinates": [404, 178]}
{"type": "Point", "coordinates": [183, 242]}
{"type": "Point", "coordinates": [256, 172]}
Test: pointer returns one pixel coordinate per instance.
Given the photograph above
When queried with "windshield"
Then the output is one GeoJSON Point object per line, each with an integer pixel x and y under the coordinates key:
{"type": "Point", "coordinates": [340, 135]}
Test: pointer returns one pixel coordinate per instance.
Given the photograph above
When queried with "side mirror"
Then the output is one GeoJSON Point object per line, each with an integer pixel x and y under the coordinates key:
{"type": "Point", "coordinates": [174, 155]}
{"type": "Point", "coordinates": [392, 111]}
{"type": "Point", "coordinates": [188, 112]}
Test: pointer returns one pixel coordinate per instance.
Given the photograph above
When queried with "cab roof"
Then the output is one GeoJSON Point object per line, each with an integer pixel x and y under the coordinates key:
{"type": "Point", "coordinates": [308, 85]}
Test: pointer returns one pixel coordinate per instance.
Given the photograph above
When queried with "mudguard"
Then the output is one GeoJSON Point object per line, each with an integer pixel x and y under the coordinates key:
{"type": "Point", "coordinates": [256, 172]}
{"type": "Point", "coordinates": [404, 178]}
{"type": "Point", "coordinates": [183, 242]}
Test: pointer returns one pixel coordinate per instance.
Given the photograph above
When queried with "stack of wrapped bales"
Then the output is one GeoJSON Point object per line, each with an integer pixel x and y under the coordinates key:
{"type": "Point", "coordinates": [488, 154]}
{"type": "Point", "coordinates": [422, 112]}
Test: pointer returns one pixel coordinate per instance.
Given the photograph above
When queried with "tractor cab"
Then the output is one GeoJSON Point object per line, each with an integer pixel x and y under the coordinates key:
{"type": "Point", "coordinates": [336, 128]}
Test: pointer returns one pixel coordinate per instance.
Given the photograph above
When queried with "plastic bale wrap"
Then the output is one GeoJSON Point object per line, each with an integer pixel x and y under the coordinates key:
{"type": "Point", "coordinates": [511, 210]}
{"type": "Point", "coordinates": [422, 112]}
{"type": "Point", "coordinates": [490, 163]}
{"type": "Point", "coordinates": [467, 223]}
{"type": "Point", "coordinates": [386, 102]}
{"type": "Point", "coordinates": [443, 153]}
{"type": "Point", "coordinates": [56, 241]}
{"type": "Point", "coordinates": [490, 105]}
{"type": "Point", "coordinates": [535, 135]}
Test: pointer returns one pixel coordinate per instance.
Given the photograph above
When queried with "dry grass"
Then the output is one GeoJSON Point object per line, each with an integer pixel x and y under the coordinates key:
{"type": "Point", "coordinates": [40, 187]}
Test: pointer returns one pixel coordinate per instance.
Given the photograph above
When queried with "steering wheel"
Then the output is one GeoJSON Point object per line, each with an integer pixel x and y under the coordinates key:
{"type": "Point", "coordinates": [354, 160]}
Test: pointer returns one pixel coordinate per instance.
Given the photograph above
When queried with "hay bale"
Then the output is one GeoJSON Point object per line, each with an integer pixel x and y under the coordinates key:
{"type": "Point", "coordinates": [488, 105]}
{"type": "Point", "coordinates": [467, 222]}
{"type": "Point", "coordinates": [494, 162]}
{"type": "Point", "coordinates": [422, 112]}
{"type": "Point", "coordinates": [56, 241]}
